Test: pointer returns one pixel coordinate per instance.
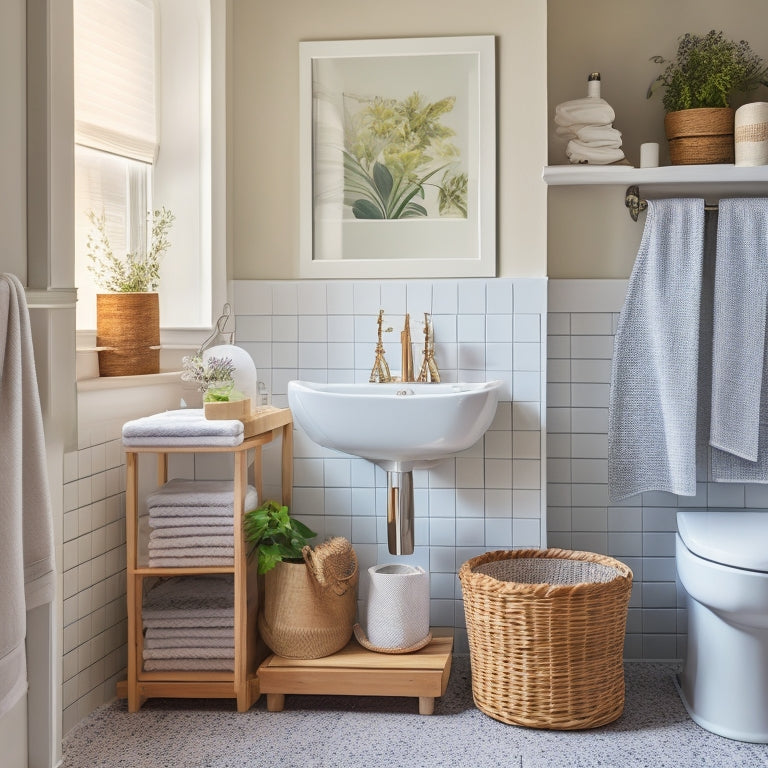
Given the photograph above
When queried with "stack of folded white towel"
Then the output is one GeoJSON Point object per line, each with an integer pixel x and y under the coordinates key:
{"type": "Point", "coordinates": [587, 125]}
{"type": "Point", "coordinates": [192, 525]}
{"type": "Point", "coordinates": [189, 624]}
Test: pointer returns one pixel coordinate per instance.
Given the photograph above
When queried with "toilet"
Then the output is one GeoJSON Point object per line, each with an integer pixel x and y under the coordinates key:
{"type": "Point", "coordinates": [722, 563]}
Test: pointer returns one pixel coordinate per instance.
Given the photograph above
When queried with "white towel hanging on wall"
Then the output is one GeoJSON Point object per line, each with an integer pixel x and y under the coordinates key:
{"type": "Point", "coordinates": [26, 521]}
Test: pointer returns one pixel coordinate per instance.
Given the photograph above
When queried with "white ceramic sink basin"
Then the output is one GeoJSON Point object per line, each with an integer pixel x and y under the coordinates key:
{"type": "Point", "coordinates": [399, 425]}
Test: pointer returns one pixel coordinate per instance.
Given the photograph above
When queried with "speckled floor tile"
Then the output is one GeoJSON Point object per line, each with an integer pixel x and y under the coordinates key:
{"type": "Point", "coordinates": [367, 732]}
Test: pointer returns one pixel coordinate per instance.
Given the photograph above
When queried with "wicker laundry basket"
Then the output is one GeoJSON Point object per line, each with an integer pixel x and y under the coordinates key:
{"type": "Point", "coordinates": [546, 636]}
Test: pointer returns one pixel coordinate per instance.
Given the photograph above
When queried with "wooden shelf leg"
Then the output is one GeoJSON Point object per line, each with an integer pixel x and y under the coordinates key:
{"type": "Point", "coordinates": [275, 702]}
{"type": "Point", "coordinates": [426, 705]}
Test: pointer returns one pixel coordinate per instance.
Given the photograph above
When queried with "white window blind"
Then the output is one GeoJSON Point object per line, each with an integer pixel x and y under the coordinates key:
{"type": "Point", "coordinates": [115, 77]}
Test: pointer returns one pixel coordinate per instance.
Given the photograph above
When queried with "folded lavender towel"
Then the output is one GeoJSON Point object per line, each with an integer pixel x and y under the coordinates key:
{"type": "Point", "coordinates": [225, 643]}
{"type": "Point", "coordinates": [218, 552]}
{"type": "Point", "coordinates": [193, 622]}
{"type": "Point", "coordinates": [190, 665]}
{"type": "Point", "coordinates": [187, 426]}
{"type": "Point", "coordinates": [174, 521]}
{"type": "Point", "coordinates": [199, 493]}
{"type": "Point", "coordinates": [191, 562]}
{"type": "Point", "coordinates": [202, 633]}
{"type": "Point", "coordinates": [190, 531]}
{"type": "Point", "coordinates": [190, 597]}
{"type": "Point", "coordinates": [189, 653]}
{"type": "Point", "coordinates": [201, 543]}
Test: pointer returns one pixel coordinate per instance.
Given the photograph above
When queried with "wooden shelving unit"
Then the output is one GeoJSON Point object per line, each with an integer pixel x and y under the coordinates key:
{"type": "Point", "coordinates": [242, 684]}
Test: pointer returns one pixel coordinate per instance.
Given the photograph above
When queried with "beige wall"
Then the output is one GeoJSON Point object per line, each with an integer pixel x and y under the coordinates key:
{"type": "Point", "coordinates": [265, 110]}
{"type": "Point", "coordinates": [590, 232]}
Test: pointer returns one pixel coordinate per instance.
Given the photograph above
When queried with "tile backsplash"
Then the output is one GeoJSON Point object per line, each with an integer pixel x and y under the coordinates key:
{"type": "Point", "coordinates": [488, 497]}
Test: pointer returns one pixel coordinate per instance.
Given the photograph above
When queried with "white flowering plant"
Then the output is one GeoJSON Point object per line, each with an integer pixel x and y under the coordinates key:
{"type": "Point", "coordinates": [136, 272]}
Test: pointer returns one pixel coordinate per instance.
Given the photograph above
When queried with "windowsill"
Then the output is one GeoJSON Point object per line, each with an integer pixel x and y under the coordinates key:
{"type": "Point", "coordinates": [104, 383]}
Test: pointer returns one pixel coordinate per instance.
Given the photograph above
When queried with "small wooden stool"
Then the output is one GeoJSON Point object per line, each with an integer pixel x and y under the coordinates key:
{"type": "Point", "coordinates": [355, 671]}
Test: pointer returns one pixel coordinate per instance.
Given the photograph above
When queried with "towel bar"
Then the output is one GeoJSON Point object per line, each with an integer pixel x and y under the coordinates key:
{"type": "Point", "coordinates": [637, 204]}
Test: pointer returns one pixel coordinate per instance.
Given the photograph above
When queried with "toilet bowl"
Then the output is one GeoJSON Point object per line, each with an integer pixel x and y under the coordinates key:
{"type": "Point", "coordinates": [722, 563]}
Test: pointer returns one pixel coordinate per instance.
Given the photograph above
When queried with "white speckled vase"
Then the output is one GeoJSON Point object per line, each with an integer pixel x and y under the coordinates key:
{"type": "Point", "coordinates": [398, 606]}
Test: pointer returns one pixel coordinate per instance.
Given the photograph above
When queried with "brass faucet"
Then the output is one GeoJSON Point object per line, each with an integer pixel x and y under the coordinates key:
{"type": "Point", "coordinates": [406, 355]}
{"type": "Point", "coordinates": [380, 372]}
{"type": "Point", "coordinates": [429, 370]}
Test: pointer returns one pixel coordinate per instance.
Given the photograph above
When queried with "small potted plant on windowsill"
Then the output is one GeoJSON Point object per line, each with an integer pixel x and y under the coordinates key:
{"type": "Point", "coordinates": [698, 84]}
{"type": "Point", "coordinates": [310, 599]}
{"type": "Point", "coordinates": [128, 312]}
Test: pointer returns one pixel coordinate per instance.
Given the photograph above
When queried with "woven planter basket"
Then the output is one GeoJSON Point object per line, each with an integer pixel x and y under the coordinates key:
{"type": "Point", "coordinates": [700, 136]}
{"type": "Point", "coordinates": [309, 608]}
{"type": "Point", "coordinates": [546, 636]}
{"type": "Point", "coordinates": [128, 324]}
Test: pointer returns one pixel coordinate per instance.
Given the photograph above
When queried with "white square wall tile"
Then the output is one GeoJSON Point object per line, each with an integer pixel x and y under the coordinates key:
{"type": "Point", "coordinates": [471, 328]}
{"type": "Point", "coordinates": [499, 329]}
{"type": "Point", "coordinates": [472, 297]}
{"type": "Point", "coordinates": [339, 297]}
{"type": "Point", "coordinates": [500, 299]}
{"type": "Point", "coordinates": [418, 299]}
{"type": "Point", "coordinates": [527, 328]}
{"type": "Point", "coordinates": [285, 298]}
{"type": "Point", "coordinates": [311, 298]}
{"type": "Point", "coordinates": [254, 296]}
{"type": "Point", "coordinates": [445, 297]}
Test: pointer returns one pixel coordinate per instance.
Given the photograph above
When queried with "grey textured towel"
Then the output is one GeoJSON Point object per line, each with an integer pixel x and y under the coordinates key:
{"type": "Point", "coordinates": [739, 433]}
{"type": "Point", "coordinates": [182, 531]}
{"type": "Point", "coordinates": [200, 543]}
{"type": "Point", "coordinates": [653, 397]}
{"type": "Point", "coordinates": [190, 597]}
{"type": "Point", "coordinates": [189, 495]}
{"type": "Point", "coordinates": [190, 665]}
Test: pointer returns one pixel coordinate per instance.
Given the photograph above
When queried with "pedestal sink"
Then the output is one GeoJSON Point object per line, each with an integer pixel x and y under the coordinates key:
{"type": "Point", "coordinates": [401, 426]}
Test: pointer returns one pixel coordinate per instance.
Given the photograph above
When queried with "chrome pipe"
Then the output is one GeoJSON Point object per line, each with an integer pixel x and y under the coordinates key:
{"type": "Point", "coordinates": [400, 512]}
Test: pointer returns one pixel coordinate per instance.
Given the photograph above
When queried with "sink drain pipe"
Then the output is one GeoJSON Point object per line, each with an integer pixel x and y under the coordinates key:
{"type": "Point", "coordinates": [400, 512]}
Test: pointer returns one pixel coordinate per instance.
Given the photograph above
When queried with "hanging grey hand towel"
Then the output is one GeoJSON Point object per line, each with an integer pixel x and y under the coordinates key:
{"type": "Point", "coordinates": [739, 435]}
{"type": "Point", "coordinates": [652, 406]}
{"type": "Point", "coordinates": [27, 575]}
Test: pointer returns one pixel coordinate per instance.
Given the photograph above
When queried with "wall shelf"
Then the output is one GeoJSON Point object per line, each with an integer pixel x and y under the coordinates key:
{"type": "Point", "coordinates": [717, 180]}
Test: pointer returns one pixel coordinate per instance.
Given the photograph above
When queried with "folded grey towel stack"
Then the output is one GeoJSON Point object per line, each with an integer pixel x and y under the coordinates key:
{"type": "Point", "coordinates": [189, 624]}
{"type": "Point", "coordinates": [192, 523]}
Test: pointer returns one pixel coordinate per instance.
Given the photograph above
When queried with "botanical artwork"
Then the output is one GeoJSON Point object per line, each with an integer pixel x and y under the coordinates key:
{"type": "Point", "coordinates": [396, 151]}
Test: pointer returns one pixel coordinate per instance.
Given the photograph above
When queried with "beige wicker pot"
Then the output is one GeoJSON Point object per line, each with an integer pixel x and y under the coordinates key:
{"type": "Point", "coordinates": [128, 325]}
{"type": "Point", "coordinates": [546, 636]}
{"type": "Point", "coordinates": [309, 608]}
{"type": "Point", "coordinates": [700, 136]}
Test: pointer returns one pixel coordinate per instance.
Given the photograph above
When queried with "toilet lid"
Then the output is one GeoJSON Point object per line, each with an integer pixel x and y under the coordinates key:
{"type": "Point", "coordinates": [730, 537]}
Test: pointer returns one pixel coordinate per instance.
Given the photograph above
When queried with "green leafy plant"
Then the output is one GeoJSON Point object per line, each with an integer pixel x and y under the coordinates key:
{"type": "Point", "coordinates": [391, 150]}
{"type": "Point", "coordinates": [707, 71]}
{"type": "Point", "coordinates": [274, 535]}
{"type": "Point", "coordinates": [138, 271]}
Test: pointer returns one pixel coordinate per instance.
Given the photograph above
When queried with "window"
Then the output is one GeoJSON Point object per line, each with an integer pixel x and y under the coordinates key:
{"type": "Point", "coordinates": [149, 109]}
{"type": "Point", "coordinates": [115, 129]}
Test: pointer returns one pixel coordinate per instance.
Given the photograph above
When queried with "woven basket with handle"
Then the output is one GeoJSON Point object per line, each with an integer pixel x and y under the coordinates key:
{"type": "Point", "coordinates": [546, 636]}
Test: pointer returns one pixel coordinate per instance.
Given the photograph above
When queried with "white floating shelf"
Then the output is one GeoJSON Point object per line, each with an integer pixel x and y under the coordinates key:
{"type": "Point", "coordinates": [680, 179]}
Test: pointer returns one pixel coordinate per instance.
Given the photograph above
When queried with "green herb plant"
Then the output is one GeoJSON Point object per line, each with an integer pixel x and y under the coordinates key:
{"type": "Point", "coordinates": [393, 149]}
{"type": "Point", "coordinates": [274, 535]}
{"type": "Point", "coordinates": [707, 71]}
{"type": "Point", "coordinates": [138, 271]}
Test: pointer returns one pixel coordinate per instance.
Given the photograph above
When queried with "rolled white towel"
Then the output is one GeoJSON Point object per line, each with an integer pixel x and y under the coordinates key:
{"type": "Point", "coordinates": [589, 111]}
{"type": "Point", "coordinates": [581, 153]}
{"type": "Point", "coordinates": [599, 136]}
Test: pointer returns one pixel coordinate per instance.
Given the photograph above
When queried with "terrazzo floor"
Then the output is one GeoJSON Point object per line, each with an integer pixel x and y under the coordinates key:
{"type": "Point", "coordinates": [366, 732]}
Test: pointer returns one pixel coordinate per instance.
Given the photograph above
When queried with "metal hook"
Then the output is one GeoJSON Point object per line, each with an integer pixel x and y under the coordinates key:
{"type": "Point", "coordinates": [634, 202]}
{"type": "Point", "coordinates": [219, 329]}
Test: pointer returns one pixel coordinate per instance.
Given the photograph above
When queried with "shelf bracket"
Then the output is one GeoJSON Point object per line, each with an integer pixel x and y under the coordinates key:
{"type": "Point", "coordinates": [634, 202]}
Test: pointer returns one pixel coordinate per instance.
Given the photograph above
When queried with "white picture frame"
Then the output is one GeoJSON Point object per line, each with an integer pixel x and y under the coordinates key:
{"type": "Point", "coordinates": [398, 158]}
